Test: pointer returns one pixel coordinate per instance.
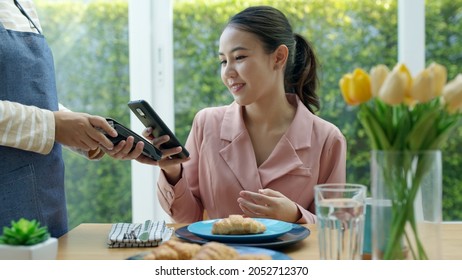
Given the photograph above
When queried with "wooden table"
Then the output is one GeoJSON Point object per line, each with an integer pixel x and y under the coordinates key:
{"type": "Point", "coordinates": [89, 242]}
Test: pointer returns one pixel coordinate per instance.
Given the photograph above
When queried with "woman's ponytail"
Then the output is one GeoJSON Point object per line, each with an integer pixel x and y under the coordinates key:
{"type": "Point", "coordinates": [302, 77]}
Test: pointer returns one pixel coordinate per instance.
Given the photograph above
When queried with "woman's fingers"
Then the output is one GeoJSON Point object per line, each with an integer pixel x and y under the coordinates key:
{"type": "Point", "coordinates": [126, 149]}
{"type": "Point", "coordinates": [147, 133]}
{"type": "Point", "coordinates": [270, 192]}
{"type": "Point", "coordinates": [270, 204]}
{"type": "Point", "coordinates": [256, 197]}
{"type": "Point", "coordinates": [251, 209]}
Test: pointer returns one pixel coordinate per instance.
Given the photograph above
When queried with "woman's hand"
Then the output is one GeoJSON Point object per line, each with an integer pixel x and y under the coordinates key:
{"type": "Point", "coordinates": [268, 203]}
{"type": "Point", "coordinates": [171, 166]}
{"type": "Point", "coordinates": [123, 150]}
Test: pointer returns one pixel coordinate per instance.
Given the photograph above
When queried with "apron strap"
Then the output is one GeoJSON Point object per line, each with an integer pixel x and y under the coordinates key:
{"type": "Point", "coordinates": [21, 9]}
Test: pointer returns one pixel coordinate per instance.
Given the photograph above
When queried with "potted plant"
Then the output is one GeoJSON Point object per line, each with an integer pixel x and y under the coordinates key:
{"type": "Point", "coordinates": [27, 240]}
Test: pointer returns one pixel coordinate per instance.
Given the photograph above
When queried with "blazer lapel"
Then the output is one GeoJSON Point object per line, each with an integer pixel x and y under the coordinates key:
{"type": "Point", "coordinates": [239, 150]}
{"type": "Point", "coordinates": [282, 160]}
{"type": "Point", "coordinates": [284, 157]}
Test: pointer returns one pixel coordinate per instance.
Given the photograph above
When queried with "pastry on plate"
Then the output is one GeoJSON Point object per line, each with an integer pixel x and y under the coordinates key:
{"type": "Point", "coordinates": [161, 253]}
{"type": "Point", "coordinates": [178, 250]}
{"type": "Point", "coordinates": [216, 251]}
{"type": "Point", "coordinates": [255, 257]}
{"type": "Point", "coordinates": [185, 251]}
{"type": "Point", "coordinates": [237, 224]}
{"type": "Point", "coordinates": [173, 250]}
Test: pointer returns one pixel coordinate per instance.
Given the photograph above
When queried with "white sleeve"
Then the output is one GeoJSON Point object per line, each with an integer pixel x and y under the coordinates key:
{"type": "Point", "coordinates": [26, 127]}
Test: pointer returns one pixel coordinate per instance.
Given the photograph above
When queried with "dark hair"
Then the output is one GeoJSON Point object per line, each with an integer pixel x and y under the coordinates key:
{"type": "Point", "coordinates": [273, 29]}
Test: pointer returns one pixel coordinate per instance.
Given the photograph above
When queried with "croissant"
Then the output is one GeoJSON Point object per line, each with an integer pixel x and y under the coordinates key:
{"type": "Point", "coordinates": [255, 257]}
{"type": "Point", "coordinates": [162, 253]}
{"type": "Point", "coordinates": [216, 251]}
{"type": "Point", "coordinates": [237, 224]}
{"type": "Point", "coordinates": [185, 251]}
{"type": "Point", "coordinates": [177, 250]}
{"type": "Point", "coordinates": [173, 250]}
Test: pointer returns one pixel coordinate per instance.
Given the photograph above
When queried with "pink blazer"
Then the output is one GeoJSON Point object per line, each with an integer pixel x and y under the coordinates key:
{"type": "Point", "coordinates": [223, 163]}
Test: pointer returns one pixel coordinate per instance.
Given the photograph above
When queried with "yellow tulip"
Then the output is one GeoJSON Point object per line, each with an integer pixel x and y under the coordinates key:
{"type": "Point", "coordinates": [452, 94]}
{"type": "Point", "coordinates": [345, 86]}
{"type": "Point", "coordinates": [395, 86]}
{"type": "Point", "coordinates": [355, 87]}
{"type": "Point", "coordinates": [378, 75]}
{"type": "Point", "coordinates": [422, 89]}
{"type": "Point", "coordinates": [402, 68]}
{"type": "Point", "coordinates": [440, 76]}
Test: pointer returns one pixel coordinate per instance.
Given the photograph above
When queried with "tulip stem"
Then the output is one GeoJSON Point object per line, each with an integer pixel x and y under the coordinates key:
{"type": "Point", "coordinates": [400, 174]}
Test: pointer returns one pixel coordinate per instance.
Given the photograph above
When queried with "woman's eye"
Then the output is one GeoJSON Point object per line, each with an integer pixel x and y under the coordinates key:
{"type": "Point", "coordinates": [240, 57]}
{"type": "Point", "coordinates": [223, 62]}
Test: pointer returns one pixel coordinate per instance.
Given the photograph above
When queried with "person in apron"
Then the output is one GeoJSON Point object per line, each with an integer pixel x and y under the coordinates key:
{"type": "Point", "coordinates": [32, 182]}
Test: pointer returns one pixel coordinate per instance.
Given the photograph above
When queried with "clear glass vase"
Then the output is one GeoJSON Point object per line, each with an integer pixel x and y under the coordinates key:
{"type": "Point", "coordinates": [407, 204]}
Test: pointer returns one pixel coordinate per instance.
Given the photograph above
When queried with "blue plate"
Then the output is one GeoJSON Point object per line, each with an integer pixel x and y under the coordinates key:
{"type": "Point", "coordinates": [295, 235]}
{"type": "Point", "coordinates": [274, 229]}
{"type": "Point", "coordinates": [275, 255]}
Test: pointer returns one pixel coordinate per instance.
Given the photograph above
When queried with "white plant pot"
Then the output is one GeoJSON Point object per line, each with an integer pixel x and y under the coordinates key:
{"type": "Point", "coordinates": [47, 250]}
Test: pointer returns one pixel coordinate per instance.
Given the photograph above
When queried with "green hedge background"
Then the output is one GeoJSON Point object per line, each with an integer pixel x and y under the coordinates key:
{"type": "Point", "coordinates": [90, 44]}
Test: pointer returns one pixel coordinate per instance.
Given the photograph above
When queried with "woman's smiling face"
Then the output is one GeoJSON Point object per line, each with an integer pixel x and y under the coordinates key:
{"type": "Point", "coordinates": [246, 69]}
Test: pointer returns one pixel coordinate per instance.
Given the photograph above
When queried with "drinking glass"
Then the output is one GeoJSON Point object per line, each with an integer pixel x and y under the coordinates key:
{"type": "Point", "coordinates": [340, 220]}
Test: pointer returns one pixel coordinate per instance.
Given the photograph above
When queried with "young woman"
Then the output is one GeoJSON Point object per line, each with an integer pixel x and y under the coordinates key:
{"type": "Point", "coordinates": [261, 155]}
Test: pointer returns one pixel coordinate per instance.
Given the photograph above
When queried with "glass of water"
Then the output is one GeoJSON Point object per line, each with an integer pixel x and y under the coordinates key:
{"type": "Point", "coordinates": [340, 211]}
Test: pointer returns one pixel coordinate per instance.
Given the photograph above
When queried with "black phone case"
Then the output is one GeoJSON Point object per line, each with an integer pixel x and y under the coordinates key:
{"type": "Point", "coordinates": [123, 132]}
{"type": "Point", "coordinates": [146, 114]}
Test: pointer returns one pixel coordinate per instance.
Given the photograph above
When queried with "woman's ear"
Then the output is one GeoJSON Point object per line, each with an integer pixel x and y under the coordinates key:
{"type": "Point", "coordinates": [280, 57]}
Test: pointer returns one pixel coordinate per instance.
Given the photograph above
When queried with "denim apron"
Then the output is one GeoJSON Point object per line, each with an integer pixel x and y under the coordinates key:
{"type": "Point", "coordinates": [31, 184]}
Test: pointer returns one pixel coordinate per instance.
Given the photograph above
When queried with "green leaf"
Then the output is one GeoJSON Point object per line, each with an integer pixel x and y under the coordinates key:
{"type": "Point", "coordinates": [420, 130]}
{"type": "Point", "coordinates": [377, 131]}
{"type": "Point", "coordinates": [24, 232]}
{"type": "Point", "coordinates": [439, 141]}
{"type": "Point", "coordinates": [403, 126]}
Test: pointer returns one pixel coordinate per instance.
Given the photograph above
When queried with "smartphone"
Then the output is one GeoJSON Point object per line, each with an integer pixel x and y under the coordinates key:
{"type": "Point", "coordinates": [123, 132]}
{"type": "Point", "coordinates": [146, 114]}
